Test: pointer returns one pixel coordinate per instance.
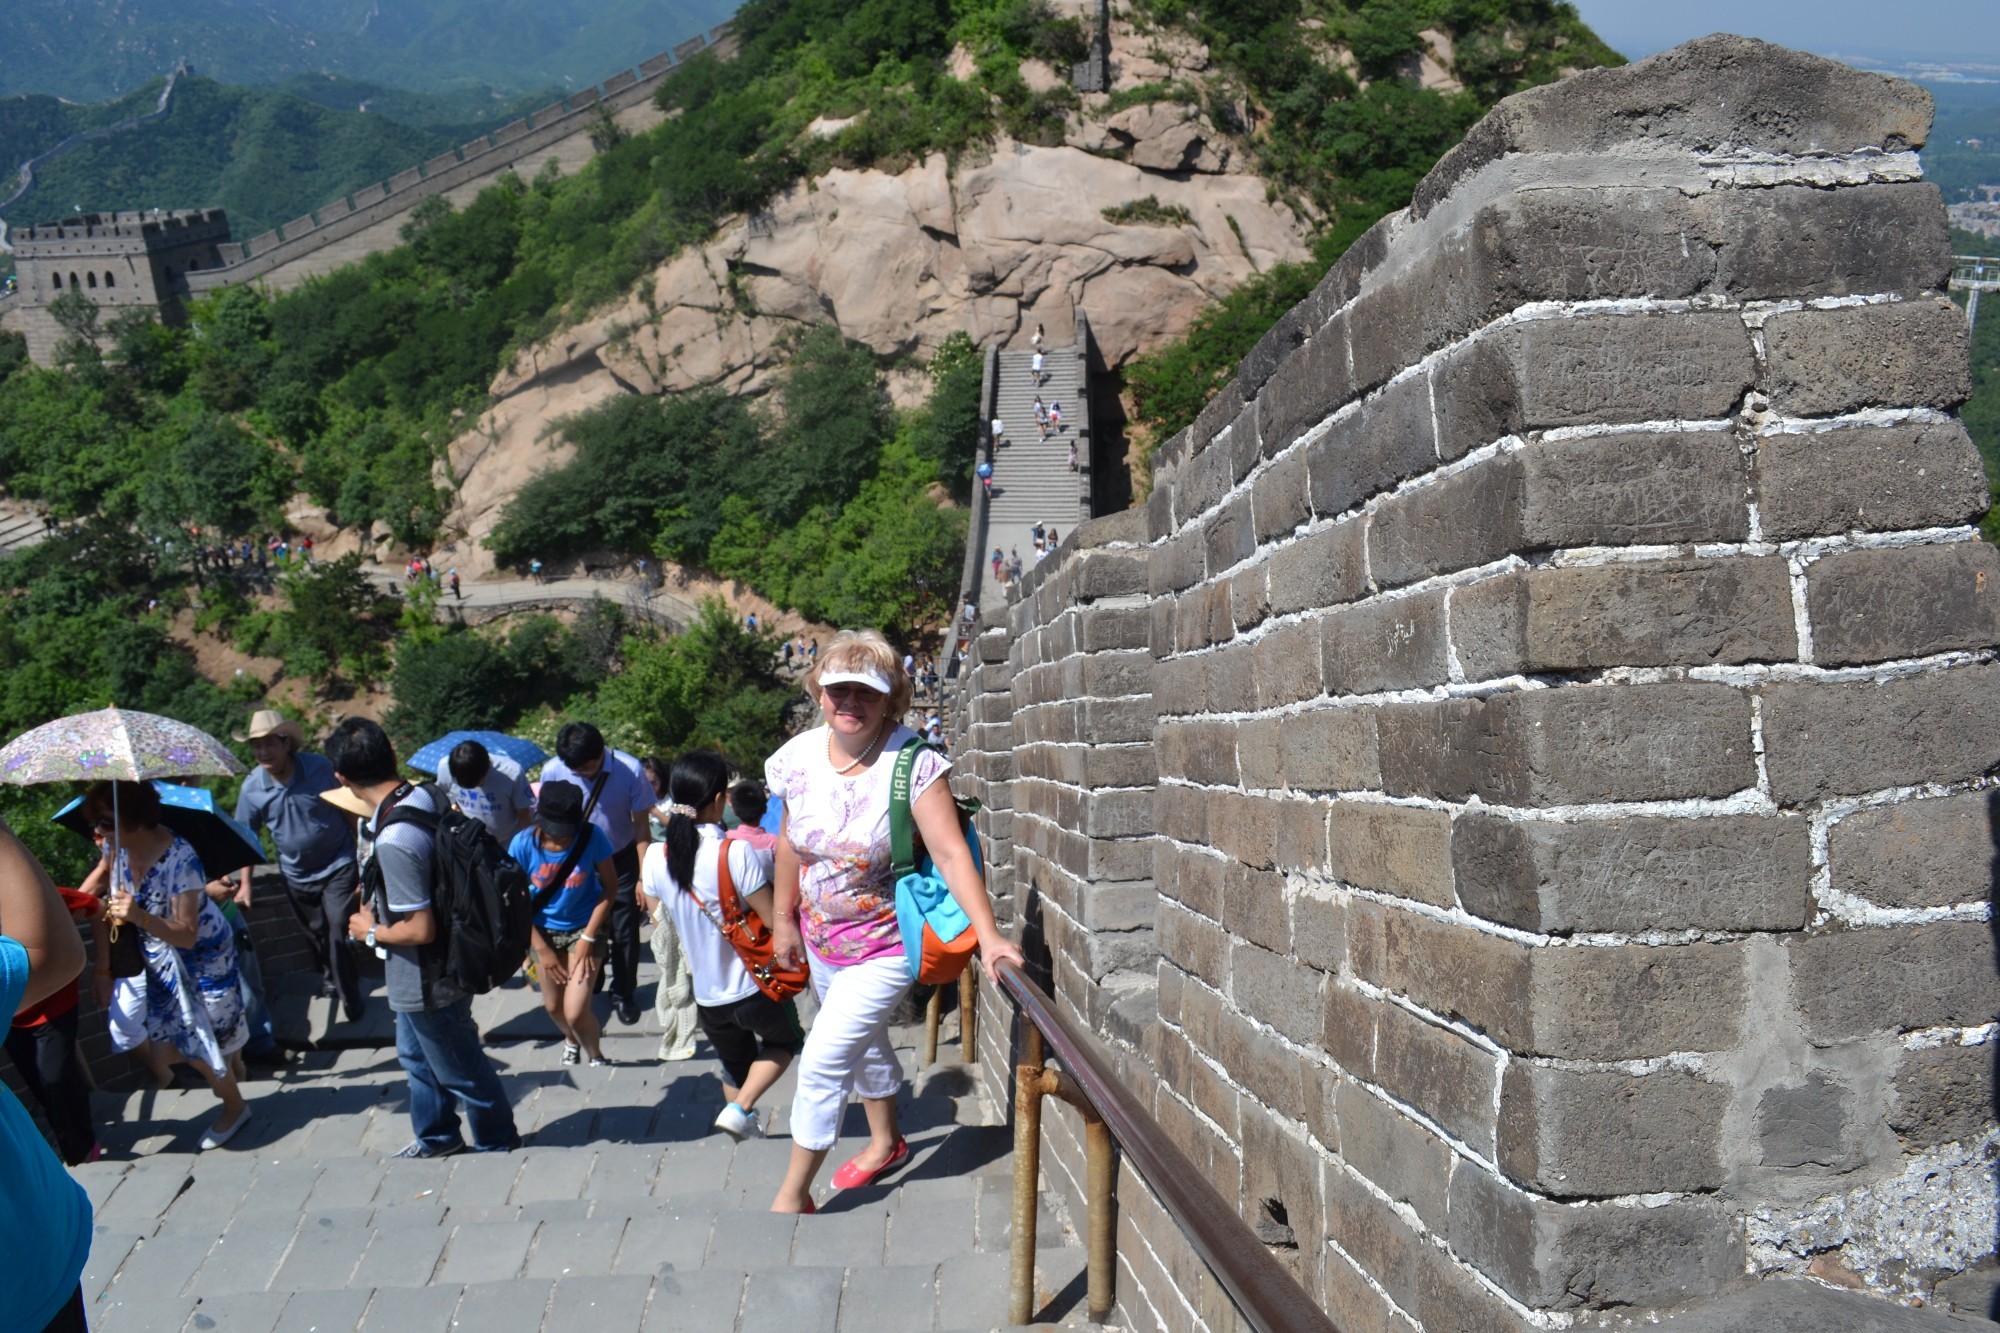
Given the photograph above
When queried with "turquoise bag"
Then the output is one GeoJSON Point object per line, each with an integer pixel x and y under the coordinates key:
{"type": "Point", "coordinates": [938, 938]}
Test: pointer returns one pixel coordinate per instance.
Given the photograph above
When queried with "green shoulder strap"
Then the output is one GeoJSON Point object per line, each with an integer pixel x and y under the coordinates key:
{"type": "Point", "coordinates": [902, 828]}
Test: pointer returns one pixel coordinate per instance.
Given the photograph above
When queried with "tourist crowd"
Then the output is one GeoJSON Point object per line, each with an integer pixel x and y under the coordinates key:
{"type": "Point", "coordinates": [616, 851]}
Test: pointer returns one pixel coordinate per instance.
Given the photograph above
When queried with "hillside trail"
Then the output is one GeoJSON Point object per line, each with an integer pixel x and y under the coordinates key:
{"type": "Point", "coordinates": [624, 1207]}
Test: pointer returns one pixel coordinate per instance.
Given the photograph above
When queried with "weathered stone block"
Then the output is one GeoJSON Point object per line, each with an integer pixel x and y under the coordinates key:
{"type": "Point", "coordinates": [1369, 1230]}
{"type": "Point", "coordinates": [1644, 488]}
{"type": "Point", "coordinates": [1599, 1003]}
{"type": "Point", "coordinates": [1274, 990]}
{"type": "Point", "coordinates": [1232, 679]}
{"type": "Point", "coordinates": [1797, 242]}
{"type": "Point", "coordinates": [1555, 1256]}
{"type": "Point", "coordinates": [1321, 569]}
{"type": "Point", "coordinates": [1594, 369]}
{"type": "Point", "coordinates": [1306, 389]}
{"type": "Point", "coordinates": [1406, 1161]}
{"type": "Point", "coordinates": [1280, 497]}
{"type": "Point", "coordinates": [1477, 398]}
{"type": "Point", "coordinates": [1195, 880]}
{"type": "Point", "coordinates": [1253, 907]}
{"type": "Point", "coordinates": [1394, 644]}
{"type": "Point", "coordinates": [1261, 1064]}
{"type": "Point", "coordinates": [1659, 613]}
{"type": "Point", "coordinates": [1902, 354]}
{"type": "Point", "coordinates": [1822, 738]}
{"type": "Point", "coordinates": [1216, 415]}
{"type": "Point", "coordinates": [1696, 98]}
{"type": "Point", "coordinates": [1807, 1124]}
{"type": "Point", "coordinates": [1443, 1075]}
{"type": "Point", "coordinates": [1399, 849]}
{"type": "Point", "coordinates": [1593, 245]}
{"type": "Point", "coordinates": [1257, 752]}
{"type": "Point", "coordinates": [1348, 1032]}
{"type": "Point", "coordinates": [1203, 480]}
{"type": "Point", "coordinates": [1301, 842]}
{"type": "Point", "coordinates": [1385, 439]}
{"type": "Point", "coordinates": [1869, 479]}
{"type": "Point", "coordinates": [1737, 872]}
{"type": "Point", "coordinates": [1944, 1095]}
{"type": "Point", "coordinates": [1288, 664]}
{"type": "Point", "coordinates": [1855, 983]}
{"type": "Point", "coordinates": [1871, 606]}
{"type": "Point", "coordinates": [1319, 929]}
{"type": "Point", "coordinates": [1103, 628]}
{"type": "Point", "coordinates": [1194, 944]}
{"type": "Point", "coordinates": [1230, 535]}
{"type": "Point", "coordinates": [1576, 1134]}
{"type": "Point", "coordinates": [1107, 573]}
{"type": "Point", "coordinates": [1571, 745]}
{"type": "Point", "coordinates": [1331, 749]}
{"type": "Point", "coordinates": [1917, 853]}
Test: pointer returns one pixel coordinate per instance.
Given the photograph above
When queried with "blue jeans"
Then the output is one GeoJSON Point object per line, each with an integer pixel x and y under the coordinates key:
{"type": "Point", "coordinates": [440, 1050]}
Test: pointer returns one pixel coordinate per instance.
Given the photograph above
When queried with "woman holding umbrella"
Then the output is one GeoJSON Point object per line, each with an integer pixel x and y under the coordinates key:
{"type": "Point", "coordinates": [193, 1000]}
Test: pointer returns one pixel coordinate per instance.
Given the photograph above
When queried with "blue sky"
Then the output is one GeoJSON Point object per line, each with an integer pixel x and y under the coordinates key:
{"type": "Point", "coordinates": [1939, 29]}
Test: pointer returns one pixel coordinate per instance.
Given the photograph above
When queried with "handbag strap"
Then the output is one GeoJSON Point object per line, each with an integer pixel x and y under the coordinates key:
{"type": "Point", "coordinates": [726, 897]}
{"type": "Point", "coordinates": [902, 826]}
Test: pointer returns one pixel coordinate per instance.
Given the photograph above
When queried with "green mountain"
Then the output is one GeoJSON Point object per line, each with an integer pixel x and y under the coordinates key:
{"type": "Point", "coordinates": [91, 50]}
{"type": "Point", "coordinates": [267, 156]}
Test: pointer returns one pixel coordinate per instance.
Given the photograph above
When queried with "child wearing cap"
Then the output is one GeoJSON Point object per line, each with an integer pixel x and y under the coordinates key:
{"type": "Point", "coordinates": [570, 918]}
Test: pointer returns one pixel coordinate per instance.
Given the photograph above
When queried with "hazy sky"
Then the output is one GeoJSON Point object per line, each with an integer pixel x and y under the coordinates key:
{"type": "Point", "coordinates": [1943, 29]}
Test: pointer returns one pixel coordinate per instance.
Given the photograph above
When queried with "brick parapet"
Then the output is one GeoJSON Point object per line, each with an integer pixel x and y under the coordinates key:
{"type": "Point", "coordinates": [1572, 676]}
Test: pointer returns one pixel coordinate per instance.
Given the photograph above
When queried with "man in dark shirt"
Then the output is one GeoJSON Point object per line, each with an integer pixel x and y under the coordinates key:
{"type": "Point", "coordinates": [581, 755]}
{"type": "Point", "coordinates": [437, 1041]}
{"type": "Point", "coordinates": [315, 846]}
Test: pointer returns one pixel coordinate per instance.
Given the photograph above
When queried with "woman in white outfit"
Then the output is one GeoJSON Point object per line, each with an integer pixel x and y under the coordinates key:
{"type": "Point", "coordinates": [835, 905]}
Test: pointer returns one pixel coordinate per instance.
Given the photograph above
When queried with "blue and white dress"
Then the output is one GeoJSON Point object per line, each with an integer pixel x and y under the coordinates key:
{"type": "Point", "coordinates": [194, 1001]}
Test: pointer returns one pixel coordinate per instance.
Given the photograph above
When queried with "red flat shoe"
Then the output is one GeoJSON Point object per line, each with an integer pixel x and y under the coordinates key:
{"type": "Point", "coordinates": [852, 1177]}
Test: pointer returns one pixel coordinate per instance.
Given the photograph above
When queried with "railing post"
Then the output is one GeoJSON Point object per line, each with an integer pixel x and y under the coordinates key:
{"type": "Point", "coordinates": [1103, 1252]}
{"type": "Point", "coordinates": [1027, 1182]}
{"type": "Point", "coordinates": [932, 1012]}
{"type": "Point", "coordinates": [968, 1018]}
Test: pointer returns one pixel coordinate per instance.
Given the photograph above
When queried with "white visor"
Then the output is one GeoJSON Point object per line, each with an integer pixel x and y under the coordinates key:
{"type": "Point", "coordinates": [870, 677]}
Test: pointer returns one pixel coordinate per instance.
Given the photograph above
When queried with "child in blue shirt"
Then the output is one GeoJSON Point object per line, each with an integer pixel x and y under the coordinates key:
{"type": "Point", "coordinates": [571, 918]}
{"type": "Point", "coordinates": [45, 1226]}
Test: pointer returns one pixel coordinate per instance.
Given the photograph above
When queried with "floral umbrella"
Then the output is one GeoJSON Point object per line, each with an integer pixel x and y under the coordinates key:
{"type": "Point", "coordinates": [113, 743]}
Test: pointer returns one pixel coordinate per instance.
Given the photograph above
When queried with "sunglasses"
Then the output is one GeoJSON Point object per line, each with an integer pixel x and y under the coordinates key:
{"type": "Point", "coordinates": [846, 690]}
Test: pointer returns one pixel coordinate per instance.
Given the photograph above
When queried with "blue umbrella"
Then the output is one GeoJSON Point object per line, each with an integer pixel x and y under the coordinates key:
{"type": "Point", "coordinates": [222, 844]}
{"type": "Point", "coordinates": [509, 752]}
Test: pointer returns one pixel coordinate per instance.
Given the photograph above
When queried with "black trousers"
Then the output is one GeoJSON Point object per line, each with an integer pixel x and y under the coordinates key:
{"type": "Point", "coordinates": [70, 1318]}
{"type": "Point", "coordinates": [322, 908]}
{"type": "Point", "coordinates": [52, 1068]}
{"type": "Point", "coordinates": [624, 961]}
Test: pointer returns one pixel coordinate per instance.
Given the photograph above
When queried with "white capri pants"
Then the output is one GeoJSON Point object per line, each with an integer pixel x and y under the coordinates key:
{"type": "Point", "coordinates": [848, 1048]}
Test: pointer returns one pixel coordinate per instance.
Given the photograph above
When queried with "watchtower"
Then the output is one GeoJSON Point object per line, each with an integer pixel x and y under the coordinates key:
{"type": "Point", "coordinates": [121, 261]}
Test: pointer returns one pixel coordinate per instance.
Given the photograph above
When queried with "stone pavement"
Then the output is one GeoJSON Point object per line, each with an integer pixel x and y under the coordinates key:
{"type": "Point", "coordinates": [624, 1211]}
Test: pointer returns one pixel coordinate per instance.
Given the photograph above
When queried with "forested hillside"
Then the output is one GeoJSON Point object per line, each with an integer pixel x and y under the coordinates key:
{"type": "Point", "coordinates": [90, 50]}
{"type": "Point", "coordinates": [267, 156]}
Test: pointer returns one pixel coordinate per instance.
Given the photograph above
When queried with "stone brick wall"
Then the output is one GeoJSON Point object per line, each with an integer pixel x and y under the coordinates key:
{"type": "Point", "coordinates": [1571, 697]}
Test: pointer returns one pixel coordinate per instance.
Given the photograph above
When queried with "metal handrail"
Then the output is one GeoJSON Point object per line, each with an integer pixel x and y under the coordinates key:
{"type": "Point", "coordinates": [1267, 1295]}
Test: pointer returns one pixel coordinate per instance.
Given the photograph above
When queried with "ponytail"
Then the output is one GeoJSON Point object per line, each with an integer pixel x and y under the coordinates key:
{"type": "Point", "coordinates": [697, 779]}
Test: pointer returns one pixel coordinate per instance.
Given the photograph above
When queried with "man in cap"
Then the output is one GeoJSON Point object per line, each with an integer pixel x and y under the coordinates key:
{"type": "Point", "coordinates": [581, 756]}
{"type": "Point", "coordinates": [315, 845]}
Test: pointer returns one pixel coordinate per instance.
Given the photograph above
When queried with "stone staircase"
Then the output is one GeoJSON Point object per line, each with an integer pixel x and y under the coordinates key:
{"type": "Point", "coordinates": [20, 527]}
{"type": "Point", "coordinates": [1031, 478]}
{"type": "Point", "coordinates": [625, 1209]}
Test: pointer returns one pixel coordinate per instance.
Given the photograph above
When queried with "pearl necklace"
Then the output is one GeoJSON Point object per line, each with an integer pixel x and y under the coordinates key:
{"type": "Point", "coordinates": [858, 760]}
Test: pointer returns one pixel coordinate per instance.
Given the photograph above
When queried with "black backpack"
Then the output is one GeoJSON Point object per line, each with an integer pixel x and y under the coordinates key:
{"type": "Point", "coordinates": [481, 898]}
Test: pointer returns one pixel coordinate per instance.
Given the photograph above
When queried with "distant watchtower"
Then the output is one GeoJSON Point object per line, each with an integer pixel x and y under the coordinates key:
{"type": "Point", "coordinates": [121, 261]}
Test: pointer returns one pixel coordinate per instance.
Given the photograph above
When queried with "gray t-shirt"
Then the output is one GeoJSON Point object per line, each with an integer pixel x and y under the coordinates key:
{"type": "Point", "coordinates": [496, 802]}
{"type": "Point", "coordinates": [312, 836]}
{"type": "Point", "coordinates": [405, 853]}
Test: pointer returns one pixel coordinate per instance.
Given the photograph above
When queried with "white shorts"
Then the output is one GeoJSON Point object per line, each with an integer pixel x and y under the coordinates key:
{"type": "Point", "coordinates": [848, 1048]}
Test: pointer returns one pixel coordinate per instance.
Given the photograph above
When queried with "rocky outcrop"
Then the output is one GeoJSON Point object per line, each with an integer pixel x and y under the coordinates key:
{"type": "Point", "coordinates": [900, 262]}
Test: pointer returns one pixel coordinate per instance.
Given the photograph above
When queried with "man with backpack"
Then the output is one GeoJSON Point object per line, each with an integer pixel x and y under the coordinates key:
{"type": "Point", "coordinates": [402, 918]}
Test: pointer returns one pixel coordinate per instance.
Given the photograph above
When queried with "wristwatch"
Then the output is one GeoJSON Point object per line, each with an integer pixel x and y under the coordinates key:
{"type": "Point", "coordinates": [370, 940]}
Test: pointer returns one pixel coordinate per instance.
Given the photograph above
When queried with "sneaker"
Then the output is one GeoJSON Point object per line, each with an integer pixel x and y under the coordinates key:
{"type": "Point", "coordinates": [628, 1012]}
{"type": "Point", "coordinates": [572, 1055]}
{"type": "Point", "coordinates": [421, 1151]}
{"type": "Point", "coordinates": [738, 1123]}
{"type": "Point", "coordinates": [599, 1062]}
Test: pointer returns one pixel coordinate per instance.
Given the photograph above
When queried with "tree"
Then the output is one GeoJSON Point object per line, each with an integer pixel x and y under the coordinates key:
{"type": "Point", "coordinates": [461, 680]}
{"type": "Point", "coordinates": [713, 686]}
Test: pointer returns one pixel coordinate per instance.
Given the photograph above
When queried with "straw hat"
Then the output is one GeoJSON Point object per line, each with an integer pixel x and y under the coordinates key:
{"type": "Point", "coordinates": [270, 722]}
{"type": "Point", "coordinates": [340, 798]}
